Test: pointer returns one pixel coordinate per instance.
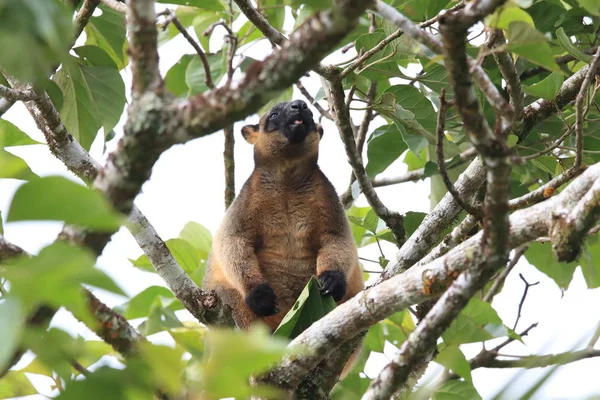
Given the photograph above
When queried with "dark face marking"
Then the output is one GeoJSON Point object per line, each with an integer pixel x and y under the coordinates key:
{"type": "Point", "coordinates": [292, 119]}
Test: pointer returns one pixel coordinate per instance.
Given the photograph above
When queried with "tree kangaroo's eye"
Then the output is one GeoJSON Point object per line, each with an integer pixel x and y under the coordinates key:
{"type": "Point", "coordinates": [274, 115]}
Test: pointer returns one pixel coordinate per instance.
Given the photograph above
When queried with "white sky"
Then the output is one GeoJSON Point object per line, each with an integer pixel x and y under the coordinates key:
{"type": "Point", "coordinates": [187, 184]}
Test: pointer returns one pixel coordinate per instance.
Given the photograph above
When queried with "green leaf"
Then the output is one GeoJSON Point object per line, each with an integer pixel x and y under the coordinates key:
{"type": "Point", "coordinates": [384, 67]}
{"type": "Point", "coordinates": [477, 322]}
{"type": "Point", "coordinates": [34, 36]}
{"type": "Point", "coordinates": [310, 307]}
{"type": "Point", "coordinates": [108, 91]}
{"type": "Point", "coordinates": [10, 135]}
{"type": "Point", "coordinates": [79, 112]}
{"type": "Point", "coordinates": [502, 18]}
{"type": "Point", "coordinates": [456, 390]}
{"type": "Point", "coordinates": [384, 146]}
{"type": "Point", "coordinates": [106, 383]}
{"type": "Point", "coordinates": [15, 384]}
{"type": "Point", "coordinates": [199, 237]}
{"type": "Point", "coordinates": [201, 23]}
{"type": "Point", "coordinates": [14, 167]}
{"type": "Point", "coordinates": [203, 4]}
{"type": "Point", "coordinates": [531, 44]}
{"type": "Point", "coordinates": [164, 364]}
{"type": "Point", "coordinates": [540, 256]}
{"type": "Point", "coordinates": [93, 350]}
{"type": "Point", "coordinates": [188, 257]}
{"type": "Point", "coordinates": [590, 261]}
{"type": "Point", "coordinates": [547, 88]}
{"type": "Point", "coordinates": [566, 44]}
{"type": "Point", "coordinates": [175, 78]}
{"type": "Point", "coordinates": [54, 277]}
{"type": "Point", "coordinates": [55, 198]}
{"type": "Point", "coordinates": [545, 163]}
{"type": "Point", "coordinates": [452, 358]}
{"type": "Point", "coordinates": [195, 76]}
{"type": "Point", "coordinates": [190, 337]}
{"type": "Point", "coordinates": [224, 359]}
{"type": "Point", "coordinates": [412, 220]}
{"type": "Point", "coordinates": [592, 6]}
{"type": "Point", "coordinates": [108, 33]}
{"type": "Point", "coordinates": [13, 322]}
{"type": "Point", "coordinates": [139, 306]}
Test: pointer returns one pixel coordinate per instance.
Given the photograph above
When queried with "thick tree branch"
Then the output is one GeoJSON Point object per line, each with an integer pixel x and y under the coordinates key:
{"type": "Point", "coordinates": [15, 95]}
{"type": "Point", "coordinates": [579, 106]}
{"type": "Point", "coordinates": [335, 95]}
{"type": "Point", "coordinates": [141, 25]}
{"type": "Point", "coordinates": [569, 229]}
{"type": "Point", "coordinates": [115, 5]}
{"type": "Point", "coordinates": [417, 285]}
{"type": "Point", "coordinates": [84, 15]}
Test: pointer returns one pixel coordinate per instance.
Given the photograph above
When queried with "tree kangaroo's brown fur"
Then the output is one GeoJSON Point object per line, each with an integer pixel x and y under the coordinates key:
{"type": "Point", "coordinates": [286, 225]}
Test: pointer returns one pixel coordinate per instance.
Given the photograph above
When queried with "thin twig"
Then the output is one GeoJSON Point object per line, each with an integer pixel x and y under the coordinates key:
{"type": "Point", "coordinates": [499, 281]}
{"type": "Point", "coordinates": [525, 291]}
{"type": "Point", "coordinates": [579, 104]}
{"type": "Point", "coordinates": [84, 15]}
{"type": "Point", "coordinates": [172, 18]}
{"type": "Point", "coordinates": [441, 122]}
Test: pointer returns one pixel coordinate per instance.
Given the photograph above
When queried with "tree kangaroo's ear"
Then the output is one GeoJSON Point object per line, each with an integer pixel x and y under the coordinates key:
{"type": "Point", "coordinates": [320, 130]}
{"type": "Point", "coordinates": [250, 133]}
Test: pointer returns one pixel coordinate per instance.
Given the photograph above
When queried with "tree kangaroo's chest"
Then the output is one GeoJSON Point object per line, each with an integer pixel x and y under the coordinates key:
{"type": "Point", "coordinates": [288, 234]}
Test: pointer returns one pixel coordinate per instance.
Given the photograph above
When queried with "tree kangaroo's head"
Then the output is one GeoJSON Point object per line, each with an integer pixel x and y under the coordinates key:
{"type": "Point", "coordinates": [286, 131]}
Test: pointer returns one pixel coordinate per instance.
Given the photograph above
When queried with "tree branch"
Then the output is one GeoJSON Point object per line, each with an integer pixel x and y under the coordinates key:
{"type": "Point", "coordinates": [335, 95]}
{"type": "Point", "coordinates": [84, 15]}
{"type": "Point", "coordinates": [569, 229]}
{"type": "Point", "coordinates": [15, 95]}
{"type": "Point", "coordinates": [579, 105]}
{"type": "Point", "coordinates": [115, 5]}
{"type": "Point", "coordinates": [441, 123]}
{"type": "Point", "coordinates": [141, 25]}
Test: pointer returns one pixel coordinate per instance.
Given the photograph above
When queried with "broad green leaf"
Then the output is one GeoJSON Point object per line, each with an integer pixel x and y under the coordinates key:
{"type": "Point", "coordinates": [93, 351]}
{"type": "Point", "coordinates": [540, 256]}
{"type": "Point", "coordinates": [108, 383]}
{"type": "Point", "coordinates": [592, 6]}
{"type": "Point", "coordinates": [198, 236]}
{"type": "Point", "coordinates": [13, 322]}
{"type": "Point", "coordinates": [412, 220]}
{"type": "Point", "coordinates": [452, 358]}
{"type": "Point", "coordinates": [139, 306]}
{"type": "Point", "coordinates": [381, 66]}
{"type": "Point", "coordinates": [355, 215]}
{"type": "Point", "coordinates": [547, 88]}
{"type": "Point", "coordinates": [10, 135]}
{"type": "Point", "coordinates": [55, 198]}
{"type": "Point", "coordinates": [590, 261]}
{"type": "Point", "coordinates": [420, 10]}
{"type": "Point", "coordinates": [310, 307]}
{"type": "Point", "coordinates": [164, 364]}
{"type": "Point", "coordinates": [36, 366]}
{"type": "Point", "coordinates": [1, 228]}
{"type": "Point", "coordinates": [531, 44]}
{"type": "Point", "coordinates": [108, 91]}
{"type": "Point", "coordinates": [175, 78]}
{"type": "Point", "coordinates": [190, 337]}
{"type": "Point", "coordinates": [14, 167]}
{"type": "Point", "coordinates": [201, 22]}
{"type": "Point", "coordinates": [369, 221]}
{"type": "Point", "coordinates": [411, 99]}
{"type": "Point", "coordinates": [108, 33]}
{"type": "Point", "coordinates": [384, 146]}
{"type": "Point", "coordinates": [477, 322]}
{"type": "Point", "coordinates": [195, 76]}
{"type": "Point", "coordinates": [502, 18]}
{"type": "Point", "coordinates": [79, 112]}
{"type": "Point", "coordinates": [159, 319]}
{"type": "Point", "coordinates": [54, 277]}
{"type": "Point", "coordinates": [566, 44]}
{"type": "Point", "coordinates": [456, 390]}
{"type": "Point", "coordinates": [224, 359]}
{"type": "Point", "coordinates": [545, 163]}
{"type": "Point", "coordinates": [34, 36]}
{"type": "Point", "coordinates": [15, 384]}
